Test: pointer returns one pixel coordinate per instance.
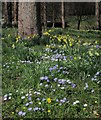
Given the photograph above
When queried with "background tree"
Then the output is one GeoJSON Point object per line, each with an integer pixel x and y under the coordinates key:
{"type": "Point", "coordinates": [45, 15]}
{"type": "Point", "coordinates": [14, 13]}
{"type": "Point", "coordinates": [63, 13]}
{"type": "Point", "coordinates": [97, 14]}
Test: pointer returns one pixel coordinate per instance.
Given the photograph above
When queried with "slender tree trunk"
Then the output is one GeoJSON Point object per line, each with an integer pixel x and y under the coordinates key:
{"type": "Point", "coordinates": [97, 15]}
{"type": "Point", "coordinates": [79, 21]}
{"type": "Point", "coordinates": [5, 14]}
{"type": "Point", "coordinates": [63, 13]}
{"type": "Point", "coordinates": [14, 13]}
{"type": "Point", "coordinates": [53, 15]}
{"type": "Point", "coordinates": [9, 10]}
{"type": "Point", "coordinates": [45, 15]}
{"type": "Point", "coordinates": [29, 19]}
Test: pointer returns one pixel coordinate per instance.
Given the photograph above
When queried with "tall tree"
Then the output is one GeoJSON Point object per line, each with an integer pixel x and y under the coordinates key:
{"type": "Point", "coordinates": [97, 14]}
{"type": "Point", "coordinates": [14, 13]}
{"type": "Point", "coordinates": [29, 19]}
{"type": "Point", "coordinates": [63, 13]}
{"type": "Point", "coordinates": [53, 20]}
{"type": "Point", "coordinates": [4, 13]}
{"type": "Point", "coordinates": [45, 15]}
{"type": "Point", "coordinates": [9, 10]}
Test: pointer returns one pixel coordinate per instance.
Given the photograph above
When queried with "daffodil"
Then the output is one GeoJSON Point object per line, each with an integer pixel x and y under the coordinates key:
{"type": "Point", "coordinates": [48, 100]}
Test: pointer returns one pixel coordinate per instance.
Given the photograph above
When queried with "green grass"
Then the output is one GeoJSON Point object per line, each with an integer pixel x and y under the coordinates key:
{"type": "Point", "coordinates": [69, 59]}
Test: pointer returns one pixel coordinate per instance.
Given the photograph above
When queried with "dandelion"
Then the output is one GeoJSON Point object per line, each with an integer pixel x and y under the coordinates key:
{"type": "Point", "coordinates": [48, 100]}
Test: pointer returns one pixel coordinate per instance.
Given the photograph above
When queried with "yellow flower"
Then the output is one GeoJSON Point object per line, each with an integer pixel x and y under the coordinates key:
{"type": "Point", "coordinates": [48, 100]}
{"type": "Point", "coordinates": [9, 35]}
{"type": "Point", "coordinates": [12, 113]}
{"type": "Point", "coordinates": [13, 46]}
{"type": "Point", "coordinates": [49, 111]}
{"type": "Point", "coordinates": [96, 53]}
{"type": "Point", "coordinates": [18, 37]}
{"type": "Point", "coordinates": [75, 58]}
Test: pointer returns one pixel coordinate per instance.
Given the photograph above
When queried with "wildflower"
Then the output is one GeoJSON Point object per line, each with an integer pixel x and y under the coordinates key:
{"type": "Point", "coordinates": [92, 90]}
{"type": "Point", "coordinates": [49, 111]}
{"type": "Point", "coordinates": [40, 84]}
{"type": "Point", "coordinates": [95, 101]}
{"type": "Point", "coordinates": [30, 102]}
{"type": "Point", "coordinates": [73, 85]}
{"type": "Point", "coordinates": [36, 108]}
{"type": "Point", "coordinates": [48, 100]}
{"type": "Point", "coordinates": [29, 109]}
{"type": "Point", "coordinates": [85, 105]}
{"type": "Point", "coordinates": [23, 97]}
{"type": "Point", "coordinates": [46, 85]}
{"type": "Point", "coordinates": [24, 113]}
{"type": "Point", "coordinates": [39, 103]}
{"type": "Point", "coordinates": [26, 104]}
{"type": "Point", "coordinates": [13, 46]}
{"type": "Point", "coordinates": [62, 88]}
{"type": "Point", "coordinates": [43, 99]}
{"type": "Point", "coordinates": [74, 103]}
{"type": "Point", "coordinates": [9, 98]}
{"type": "Point", "coordinates": [20, 113]}
{"type": "Point", "coordinates": [12, 113]}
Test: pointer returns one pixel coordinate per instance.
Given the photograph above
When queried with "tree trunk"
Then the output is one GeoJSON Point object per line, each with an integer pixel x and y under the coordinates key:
{"type": "Point", "coordinates": [14, 13]}
{"type": "Point", "coordinates": [29, 19]}
{"type": "Point", "coordinates": [63, 13]}
{"type": "Point", "coordinates": [97, 15]}
{"type": "Point", "coordinates": [79, 21]}
{"type": "Point", "coordinates": [4, 13]}
{"type": "Point", "coordinates": [9, 10]}
{"type": "Point", "coordinates": [53, 15]}
{"type": "Point", "coordinates": [45, 15]}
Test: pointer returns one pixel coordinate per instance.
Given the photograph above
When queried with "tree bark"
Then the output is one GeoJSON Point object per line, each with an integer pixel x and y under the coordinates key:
{"type": "Point", "coordinates": [29, 19]}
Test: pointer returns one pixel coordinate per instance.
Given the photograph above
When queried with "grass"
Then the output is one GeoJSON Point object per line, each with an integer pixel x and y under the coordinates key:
{"type": "Point", "coordinates": [57, 79]}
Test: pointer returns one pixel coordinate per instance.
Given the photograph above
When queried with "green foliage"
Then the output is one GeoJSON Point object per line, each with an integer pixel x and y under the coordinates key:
{"type": "Point", "coordinates": [59, 78]}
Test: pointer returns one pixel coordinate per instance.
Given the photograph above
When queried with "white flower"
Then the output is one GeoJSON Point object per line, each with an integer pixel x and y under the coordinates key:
{"type": "Point", "coordinates": [9, 98]}
{"type": "Point", "coordinates": [5, 95]}
{"type": "Point", "coordinates": [10, 93]}
{"type": "Point", "coordinates": [23, 97]}
{"type": "Point", "coordinates": [77, 101]}
{"type": "Point", "coordinates": [62, 88]}
{"type": "Point", "coordinates": [85, 105]}
{"type": "Point", "coordinates": [5, 98]}
{"type": "Point", "coordinates": [39, 103]}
